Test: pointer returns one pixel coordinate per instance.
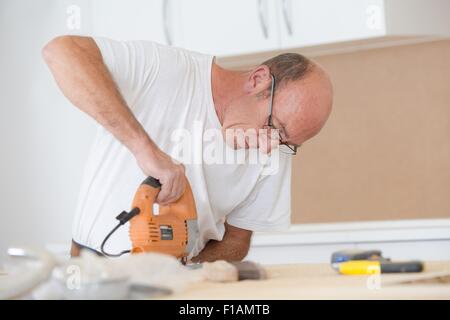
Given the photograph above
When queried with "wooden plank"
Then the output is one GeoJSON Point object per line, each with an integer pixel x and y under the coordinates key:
{"type": "Point", "coordinates": [319, 281]}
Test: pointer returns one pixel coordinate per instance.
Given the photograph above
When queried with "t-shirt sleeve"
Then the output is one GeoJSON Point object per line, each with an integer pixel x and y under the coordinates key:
{"type": "Point", "coordinates": [133, 65]}
{"type": "Point", "coordinates": [268, 208]}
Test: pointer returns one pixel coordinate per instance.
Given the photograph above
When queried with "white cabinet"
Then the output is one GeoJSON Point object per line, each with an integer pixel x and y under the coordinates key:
{"type": "Point", "coordinates": [322, 22]}
{"type": "Point", "coordinates": [233, 27]}
{"type": "Point", "coordinates": [417, 17]}
{"type": "Point", "coordinates": [306, 22]}
{"type": "Point", "coordinates": [229, 27]}
{"type": "Point", "coordinates": [134, 20]}
{"type": "Point", "coordinates": [236, 27]}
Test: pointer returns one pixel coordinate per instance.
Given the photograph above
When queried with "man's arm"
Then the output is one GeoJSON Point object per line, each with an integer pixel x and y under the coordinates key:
{"type": "Point", "coordinates": [77, 66]}
{"type": "Point", "coordinates": [233, 247]}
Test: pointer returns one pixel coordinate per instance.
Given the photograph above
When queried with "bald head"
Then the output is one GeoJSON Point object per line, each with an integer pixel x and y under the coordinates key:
{"type": "Point", "coordinates": [302, 105]}
{"type": "Point", "coordinates": [312, 99]}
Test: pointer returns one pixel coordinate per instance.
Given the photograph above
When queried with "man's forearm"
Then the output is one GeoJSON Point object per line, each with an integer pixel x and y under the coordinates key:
{"type": "Point", "coordinates": [77, 66]}
{"type": "Point", "coordinates": [220, 250]}
{"type": "Point", "coordinates": [233, 247]}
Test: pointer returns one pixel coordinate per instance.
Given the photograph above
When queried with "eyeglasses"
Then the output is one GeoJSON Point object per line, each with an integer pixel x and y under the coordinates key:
{"type": "Point", "coordinates": [284, 146]}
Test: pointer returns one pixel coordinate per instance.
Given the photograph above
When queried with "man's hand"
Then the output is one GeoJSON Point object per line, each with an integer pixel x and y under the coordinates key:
{"type": "Point", "coordinates": [233, 247]}
{"type": "Point", "coordinates": [170, 174]}
{"type": "Point", "coordinates": [77, 65]}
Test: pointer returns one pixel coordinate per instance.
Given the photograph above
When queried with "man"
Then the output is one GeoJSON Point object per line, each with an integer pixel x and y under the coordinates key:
{"type": "Point", "coordinates": [142, 92]}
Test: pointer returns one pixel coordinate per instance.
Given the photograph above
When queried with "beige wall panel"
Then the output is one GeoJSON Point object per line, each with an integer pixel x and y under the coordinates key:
{"type": "Point", "coordinates": [385, 152]}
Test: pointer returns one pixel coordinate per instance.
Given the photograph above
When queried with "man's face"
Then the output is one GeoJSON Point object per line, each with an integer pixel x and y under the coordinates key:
{"type": "Point", "coordinates": [300, 109]}
{"type": "Point", "coordinates": [245, 121]}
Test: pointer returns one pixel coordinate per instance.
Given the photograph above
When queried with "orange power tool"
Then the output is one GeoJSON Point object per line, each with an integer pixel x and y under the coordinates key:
{"type": "Point", "coordinates": [169, 229]}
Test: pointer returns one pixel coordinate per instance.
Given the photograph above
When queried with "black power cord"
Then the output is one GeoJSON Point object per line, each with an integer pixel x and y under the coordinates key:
{"type": "Point", "coordinates": [123, 218]}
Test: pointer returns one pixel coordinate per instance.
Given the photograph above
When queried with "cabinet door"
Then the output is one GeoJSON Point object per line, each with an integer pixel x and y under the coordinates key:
{"type": "Point", "coordinates": [229, 27]}
{"type": "Point", "coordinates": [130, 19]}
{"type": "Point", "coordinates": [307, 22]}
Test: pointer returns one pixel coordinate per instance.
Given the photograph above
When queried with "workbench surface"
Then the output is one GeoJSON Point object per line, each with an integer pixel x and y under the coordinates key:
{"type": "Point", "coordinates": [319, 281]}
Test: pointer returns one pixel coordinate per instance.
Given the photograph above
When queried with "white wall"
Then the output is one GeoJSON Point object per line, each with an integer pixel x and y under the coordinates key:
{"type": "Point", "coordinates": [44, 140]}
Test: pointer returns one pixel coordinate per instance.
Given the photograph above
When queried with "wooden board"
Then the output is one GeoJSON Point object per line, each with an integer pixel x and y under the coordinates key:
{"type": "Point", "coordinates": [319, 281]}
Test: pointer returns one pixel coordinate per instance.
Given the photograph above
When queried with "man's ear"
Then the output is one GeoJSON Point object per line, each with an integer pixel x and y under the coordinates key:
{"type": "Point", "coordinates": [258, 80]}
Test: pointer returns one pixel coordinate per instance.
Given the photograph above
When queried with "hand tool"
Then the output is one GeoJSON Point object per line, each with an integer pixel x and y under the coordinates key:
{"type": "Point", "coordinates": [223, 271]}
{"type": "Point", "coordinates": [249, 270]}
{"type": "Point", "coordinates": [357, 261]}
{"type": "Point", "coordinates": [354, 254]}
{"type": "Point", "coordinates": [169, 229]}
{"type": "Point", "coordinates": [361, 267]}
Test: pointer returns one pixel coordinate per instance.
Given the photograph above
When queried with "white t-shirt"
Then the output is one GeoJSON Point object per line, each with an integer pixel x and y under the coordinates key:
{"type": "Point", "coordinates": [169, 91]}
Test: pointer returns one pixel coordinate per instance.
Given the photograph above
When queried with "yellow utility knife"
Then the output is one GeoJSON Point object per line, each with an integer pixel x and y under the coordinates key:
{"type": "Point", "coordinates": [367, 267]}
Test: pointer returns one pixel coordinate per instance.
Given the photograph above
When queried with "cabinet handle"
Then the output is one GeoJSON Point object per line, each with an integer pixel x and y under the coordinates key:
{"type": "Point", "coordinates": [287, 4]}
{"type": "Point", "coordinates": [262, 14]}
{"type": "Point", "coordinates": [166, 22]}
